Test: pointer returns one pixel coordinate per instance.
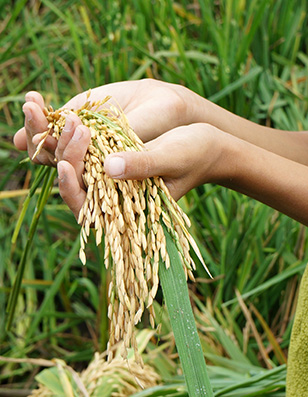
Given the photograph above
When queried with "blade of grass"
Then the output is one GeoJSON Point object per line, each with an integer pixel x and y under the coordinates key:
{"type": "Point", "coordinates": [158, 61]}
{"type": "Point", "coordinates": [249, 382]}
{"type": "Point", "coordinates": [54, 288]}
{"type": "Point", "coordinates": [271, 337]}
{"type": "Point", "coordinates": [18, 8]}
{"type": "Point", "coordinates": [183, 324]}
{"type": "Point", "coordinates": [173, 390]}
{"type": "Point", "coordinates": [253, 22]}
{"type": "Point", "coordinates": [224, 339]}
{"type": "Point", "coordinates": [80, 55]}
{"type": "Point", "coordinates": [255, 332]}
{"type": "Point", "coordinates": [299, 268]}
{"type": "Point", "coordinates": [251, 75]}
{"type": "Point", "coordinates": [29, 79]}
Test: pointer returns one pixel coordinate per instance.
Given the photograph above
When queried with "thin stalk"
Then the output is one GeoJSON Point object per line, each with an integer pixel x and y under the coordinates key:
{"type": "Point", "coordinates": [42, 199]}
{"type": "Point", "coordinates": [39, 177]}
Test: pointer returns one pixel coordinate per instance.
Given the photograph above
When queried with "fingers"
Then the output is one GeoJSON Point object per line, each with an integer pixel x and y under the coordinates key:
{"type": "Point", "coordinates": [35, 124]}
{"type": "Point", "coordinates": [50, 143]}
{"type": "Point", "coordinates": [20, 138]}
{"type": "Point", "coordinates": [142, 165]}
{"type": "Point", "coordinates": [28, 137]}
{"type": "Point", "coordinates": [132, 165]}
{"type": "Point", "coordinates": [164, 157]}
{"type": "Point", "coordinates": [158, 107]}
{"type": "Point", "coordinates": [35, 120]}
{"type": "Point", "coordinates": [33, 96]}
{"type": "Point", "coordinates": [70, 188]}
{"type": "Point", "coordinates": [184, 157]}
{"type": "Point", "coordinates": [73, 144]}
{"type": "Point", "coordinates": [20, 141]}
{"type": "Point", "coordinates": [121, 94]}
{"type": "Point", "coordinates": [152, 107]}
{"type": "Point", "coordinates": [71, 123]}
{"type": "Point", "coordinates": [147, 124]}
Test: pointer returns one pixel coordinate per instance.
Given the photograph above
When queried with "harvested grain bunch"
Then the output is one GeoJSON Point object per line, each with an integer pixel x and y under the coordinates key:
{"type": "Point", "coordinates": [129, 216]}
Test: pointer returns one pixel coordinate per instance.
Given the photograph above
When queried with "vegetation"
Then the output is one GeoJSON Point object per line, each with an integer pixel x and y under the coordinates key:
{"type": "Point", "coordinates": [249, 57]}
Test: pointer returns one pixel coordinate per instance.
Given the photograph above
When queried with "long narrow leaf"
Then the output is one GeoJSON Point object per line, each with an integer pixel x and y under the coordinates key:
{"type": "Point", "coordinates": [183, 324]}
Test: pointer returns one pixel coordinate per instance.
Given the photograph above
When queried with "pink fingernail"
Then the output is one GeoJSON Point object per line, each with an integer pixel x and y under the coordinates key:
{"type": "Point", "coordinates": [61, 171]}
{"type": "Point", "coordinates": [68, 124]}
{"type": "Point", "coordinates": [116, 166]}
{"type": "Point", "coordinates": [29, 97]}
{"type": "Point", "coordinates": [28, 114]}
{"type": "Point", "coordinates": [77, 134]}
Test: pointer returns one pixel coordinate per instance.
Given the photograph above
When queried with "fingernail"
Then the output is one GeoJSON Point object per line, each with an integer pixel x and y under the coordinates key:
{"type": "Point", "coordinates": [68, 124]}
{"type": "Point", "coordinates": [37, 139]}
{"type": "Point", "coordinates": [28, 114]}
{"type": "Point", "coordinates": [77, 134]}
{"type": "Point", "coordinates": [61, 171]}
{"type": "Point", "coordinates": [29, 97]}
{"type": "Point", "coordinates": [116, 166]}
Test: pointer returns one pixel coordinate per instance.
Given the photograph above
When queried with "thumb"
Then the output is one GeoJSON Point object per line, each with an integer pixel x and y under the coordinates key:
{"type": "Point", "coordinates": [135, 165]}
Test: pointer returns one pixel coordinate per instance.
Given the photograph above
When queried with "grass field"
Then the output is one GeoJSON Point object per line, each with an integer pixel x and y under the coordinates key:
{"type": "Point", "coordinates": [248, 56]}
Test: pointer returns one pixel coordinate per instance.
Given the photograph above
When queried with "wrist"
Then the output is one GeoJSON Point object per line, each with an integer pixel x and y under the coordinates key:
{"type": "Point", "coordinates": [203, 111]}
{"type": "Point", "coordinates": [226, 154]}
{"type": "Point", "coordinates": [193, 109]}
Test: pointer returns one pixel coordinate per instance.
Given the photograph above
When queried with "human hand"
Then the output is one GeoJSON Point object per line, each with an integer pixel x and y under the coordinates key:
{"type": "Point", "coordinates": [152, 108]}
{"type": "Point", "coordinates": [185, 157]}
{"type": "Point", "coordinates": [28, 137]}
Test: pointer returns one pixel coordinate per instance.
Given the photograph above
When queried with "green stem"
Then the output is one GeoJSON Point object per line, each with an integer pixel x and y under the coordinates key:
{"type": "Point", "coordinates": [40, 175]}
{"type": "Point", "coordinates": [47, 185]}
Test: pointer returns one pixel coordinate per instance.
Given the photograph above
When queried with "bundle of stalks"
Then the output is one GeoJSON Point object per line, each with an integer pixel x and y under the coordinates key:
{"type": "Point", "coordinates": [129, 216]}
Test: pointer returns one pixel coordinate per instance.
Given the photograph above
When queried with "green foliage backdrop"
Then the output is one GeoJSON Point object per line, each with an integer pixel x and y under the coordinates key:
{"type": "Point", "coordinates": [249, 56]}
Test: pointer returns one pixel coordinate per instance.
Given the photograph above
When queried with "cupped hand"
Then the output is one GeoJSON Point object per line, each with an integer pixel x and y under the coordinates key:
{"type": "Point", "coordinates": [162, 114]}
{"type": "Point", "coordinates": [152, 108]}
{"type": "Point", "coordinates": [185, 157]}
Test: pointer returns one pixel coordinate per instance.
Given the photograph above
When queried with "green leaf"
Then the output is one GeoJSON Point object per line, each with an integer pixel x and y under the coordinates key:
{"type": "Point", "coordinates": [183, 324]}
{"type": "Point", "coordinates": [50, 378]}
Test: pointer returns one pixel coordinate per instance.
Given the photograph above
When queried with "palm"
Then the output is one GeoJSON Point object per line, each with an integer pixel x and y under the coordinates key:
{"type": "Point", "coordinates": [152, 107]}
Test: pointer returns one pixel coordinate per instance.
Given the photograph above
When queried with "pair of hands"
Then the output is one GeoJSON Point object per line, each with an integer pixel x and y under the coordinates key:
{"type": "Point", "coordinates": [184, 152]}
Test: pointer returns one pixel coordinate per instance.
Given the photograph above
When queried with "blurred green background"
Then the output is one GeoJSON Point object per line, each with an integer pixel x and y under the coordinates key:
{"type": "Point", "coordinates": [249, 56]}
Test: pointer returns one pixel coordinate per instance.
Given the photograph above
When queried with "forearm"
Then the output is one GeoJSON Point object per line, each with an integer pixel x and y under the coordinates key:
{"type": "Point", "coordinates": [269, 178]}
{"type": "Point", "coordinates": [290, 144]}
